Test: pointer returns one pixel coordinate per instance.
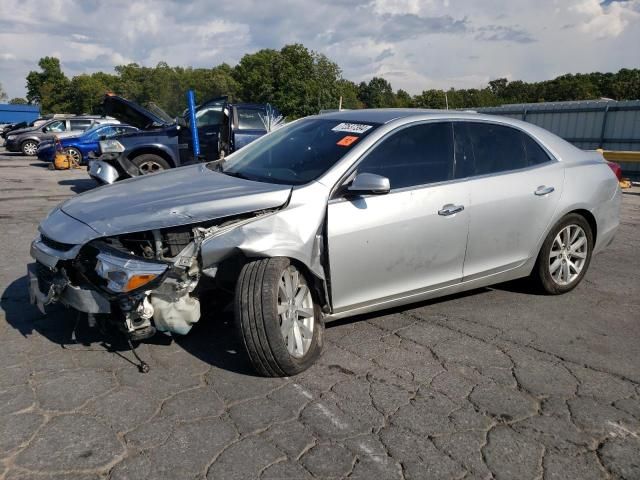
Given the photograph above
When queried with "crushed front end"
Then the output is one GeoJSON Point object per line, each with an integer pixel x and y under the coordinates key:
{"type": "Point", "coordinates": [143, 282]}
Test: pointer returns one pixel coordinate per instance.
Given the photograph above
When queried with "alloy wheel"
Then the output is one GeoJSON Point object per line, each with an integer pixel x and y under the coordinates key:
{"type": "Point", "coordinates": [568, 254]}
{"type": "Point", "coordinates": [149, 166]}
{"type": "Point", "coordinates": [75, 155]}
{"type": "Point", "coordinates": [295, 309]}
{"type": "Point", "coordinates": [30, 148]}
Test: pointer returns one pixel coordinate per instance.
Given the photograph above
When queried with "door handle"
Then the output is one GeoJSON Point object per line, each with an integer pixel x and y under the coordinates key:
{"type": "Point", "coordinates": [543, 190]}
{"type": "Point", "coordinates": [450, 209]}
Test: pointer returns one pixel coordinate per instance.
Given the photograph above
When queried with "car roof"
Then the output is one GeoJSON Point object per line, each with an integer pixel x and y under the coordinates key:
{"type": "Point", "coordinates": [380, 115]}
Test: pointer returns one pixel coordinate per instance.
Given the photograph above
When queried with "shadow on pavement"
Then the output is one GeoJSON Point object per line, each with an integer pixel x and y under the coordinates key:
{"type": "Point", "coordinates": [79, 185]}
{"type": "Point", "coordinates": [402, 308]}
{"type": "Point", "coordinates": [40, 164]}
{"type": "Point", "coordinates": [14, 154]}
{"type": "Point", "coordinates": [212, 340]}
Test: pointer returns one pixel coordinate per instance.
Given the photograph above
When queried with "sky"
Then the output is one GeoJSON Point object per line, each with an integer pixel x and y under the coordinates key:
{"type": "Point", "coordinates": [415, 44]}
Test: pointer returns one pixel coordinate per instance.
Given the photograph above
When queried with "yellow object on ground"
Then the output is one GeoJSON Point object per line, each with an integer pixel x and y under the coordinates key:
{"type": "Point", "coordinates": [620, 156]}
{"type": "Point", "coordinates": [63, 161]}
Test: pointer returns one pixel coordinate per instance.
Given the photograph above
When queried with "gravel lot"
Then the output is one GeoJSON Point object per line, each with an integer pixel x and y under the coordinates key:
{"type": "Point", "coordinates": [495, 383]}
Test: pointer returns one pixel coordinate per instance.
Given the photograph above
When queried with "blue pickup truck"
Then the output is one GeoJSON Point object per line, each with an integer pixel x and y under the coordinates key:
{"type": "Point", "coordinates": [162, 142]}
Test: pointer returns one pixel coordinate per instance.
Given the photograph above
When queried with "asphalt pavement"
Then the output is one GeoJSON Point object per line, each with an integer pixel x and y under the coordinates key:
{"type": "Point", "coordinates": [500, 382]}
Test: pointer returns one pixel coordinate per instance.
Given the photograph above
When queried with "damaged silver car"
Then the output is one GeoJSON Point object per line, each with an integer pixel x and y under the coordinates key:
{"type": "Point", "coordinates": [328, 217]}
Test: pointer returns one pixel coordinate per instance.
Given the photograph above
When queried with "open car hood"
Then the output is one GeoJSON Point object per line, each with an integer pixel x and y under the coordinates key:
{"type": "Point", "coordinates": [133, 114]}
{"type": "Point", "coordinates": [175, 197]}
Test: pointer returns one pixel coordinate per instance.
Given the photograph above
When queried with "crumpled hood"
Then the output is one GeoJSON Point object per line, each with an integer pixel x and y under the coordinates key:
{"type": "Point", "coordinates": [176, 197]}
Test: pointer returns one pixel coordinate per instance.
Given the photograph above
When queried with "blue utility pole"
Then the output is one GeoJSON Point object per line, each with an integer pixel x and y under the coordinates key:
{"type": "Point", "coordinates": [191, 101]}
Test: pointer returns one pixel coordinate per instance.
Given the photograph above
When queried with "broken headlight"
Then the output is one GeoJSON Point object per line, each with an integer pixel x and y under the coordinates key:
{"type": "Point", "coordinates": [125, 274]}
{"type": "Point", "coordinates": [111, 146]}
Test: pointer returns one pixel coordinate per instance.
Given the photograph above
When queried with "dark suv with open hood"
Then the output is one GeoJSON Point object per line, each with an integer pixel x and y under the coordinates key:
{"type": "Point", "coordinates": [164, 142]}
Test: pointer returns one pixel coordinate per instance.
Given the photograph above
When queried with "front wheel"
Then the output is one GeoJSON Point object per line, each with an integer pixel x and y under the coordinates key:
{"type": "Point", "coordinates": [75, 154]}
{"type": "Point", "coordinates": [565, 255]}
{"type": "Point", "coordinates": [29, 148]}
{"type": "Point", "coordinates": [279, 322]}
{"type": "Point", "coordinates": [149, 163]}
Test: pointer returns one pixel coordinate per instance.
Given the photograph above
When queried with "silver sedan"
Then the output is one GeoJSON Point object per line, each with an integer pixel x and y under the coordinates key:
{"type": "Point", "coordinates": [328, 217]}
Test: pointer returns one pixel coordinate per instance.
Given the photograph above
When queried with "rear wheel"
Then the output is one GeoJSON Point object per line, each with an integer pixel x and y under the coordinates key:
{"type": "Point", "coordinates": [29, 147]}
{"type": "Point", "coordinates": [279, 322]}
{"type": "Point", "coordinates": [565, 255]}
{"type": "Point", "coordinates": [149, 163]}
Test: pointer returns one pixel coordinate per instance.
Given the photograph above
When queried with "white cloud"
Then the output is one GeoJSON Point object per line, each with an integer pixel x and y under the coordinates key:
{"type": "Point", "coordinates": [416, 44]}
{"type": "Point", "coordinates": [606, 20]}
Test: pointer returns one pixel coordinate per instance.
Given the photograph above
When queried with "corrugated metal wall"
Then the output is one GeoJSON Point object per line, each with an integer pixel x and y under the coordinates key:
{"type": "Point", "coordinates": [18, 113]}
{"type": "Point", "coordinates": [588, 125]}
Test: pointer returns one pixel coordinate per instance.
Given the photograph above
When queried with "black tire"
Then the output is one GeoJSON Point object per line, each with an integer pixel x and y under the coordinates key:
{"type": "Point", "coordinates": [541, 272]}
{"type": "Point", "coordinates": [149, 163]}
{"type": "Point", "coordinates": [75, 154]}
{"type": "Point", "coordinates": [258, 322]}
{"type": "Point", "coordinates": [29, 147]}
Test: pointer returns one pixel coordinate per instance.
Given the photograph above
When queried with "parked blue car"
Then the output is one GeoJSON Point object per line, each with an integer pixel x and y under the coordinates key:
{"type": "Point", "coordinates": [81, 145]}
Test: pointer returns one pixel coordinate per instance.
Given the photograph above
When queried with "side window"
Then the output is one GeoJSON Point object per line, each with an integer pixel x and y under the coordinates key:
{"type": "Point", "coordinates": [416, 155]}
{"type": "Point", "coordinates": [249, 119]}
{"type": "Point", "coordinates": [107, 132]}
{"type": "Point", "coordinates": [57, 126]}
{"type": "Point", "coordinates": [496, 148]}
{"type": "Point", "coordinates": [535, 154]}
{"type": "Point", "coordinates": [80, 124]}
{"type": "Point", "coordinates": [209, 116]}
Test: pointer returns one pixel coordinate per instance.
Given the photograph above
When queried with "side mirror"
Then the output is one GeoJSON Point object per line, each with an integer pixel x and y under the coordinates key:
{"type": "Point", "coordinates": [369, 183]}
{"type": "Point", "coordinates": [45, 129]}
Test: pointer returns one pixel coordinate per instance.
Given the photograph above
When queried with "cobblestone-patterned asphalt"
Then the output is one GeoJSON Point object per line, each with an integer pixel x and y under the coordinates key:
{"type": "Point", "coordinates": [496, 383]}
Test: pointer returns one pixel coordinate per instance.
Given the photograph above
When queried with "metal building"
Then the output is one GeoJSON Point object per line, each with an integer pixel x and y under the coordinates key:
{"type": "Point", "coordinates": [605, 124]}
{"type": "Point", "coordinates": [18, 113]}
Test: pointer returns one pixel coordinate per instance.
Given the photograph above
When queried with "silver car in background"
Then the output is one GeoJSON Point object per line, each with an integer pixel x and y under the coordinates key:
{"type": "Point", "coordinates": [328, 217]}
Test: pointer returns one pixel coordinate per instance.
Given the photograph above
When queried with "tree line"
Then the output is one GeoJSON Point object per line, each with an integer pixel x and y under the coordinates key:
{"type": "Point", "coordinates": [299, 82]}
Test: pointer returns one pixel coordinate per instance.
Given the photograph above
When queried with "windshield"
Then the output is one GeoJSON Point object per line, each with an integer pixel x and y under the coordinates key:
{"type": "Point", "coordinates": [299, 152]}
{"type": "Point", "coordinates": [160, 113]}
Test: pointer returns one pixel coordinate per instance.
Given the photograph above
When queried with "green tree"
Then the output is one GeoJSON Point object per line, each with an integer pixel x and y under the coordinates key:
{"type": "Point", "coordinates": [3, 94]}
{"type": "Point", "coordinates": [87, 92]}
{"type": "Point", "coordinates": [49, 87]}
{"type": "Point", "coordinates": [255, 75]}
{"type": "Point", "coordinates": [349, 93]}
{"type": "Point", "coordinates": [430, 99]}
{"type": "Point", "coordinates": [18, 101]}
{"type": "Point", "coordinates": [403, 99]}
{"type": "Point", "coordinates": [377, 93]}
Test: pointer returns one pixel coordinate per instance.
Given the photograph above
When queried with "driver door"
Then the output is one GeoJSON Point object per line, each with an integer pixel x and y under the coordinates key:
{"type": "Point", "coordinates": [210, 118]}
{"type": "Point", "coordinates": [383, 247]}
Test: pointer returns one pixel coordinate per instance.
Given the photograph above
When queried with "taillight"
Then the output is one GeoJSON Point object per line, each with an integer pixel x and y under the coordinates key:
{"type": "Point", "coordinates": [617, 170]}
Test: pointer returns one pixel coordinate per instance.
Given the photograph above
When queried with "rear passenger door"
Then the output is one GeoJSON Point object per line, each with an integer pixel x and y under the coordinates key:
{"type": "Point", "coordinates": [514, 187]}
{"type": "Point", "coordinates": [412, 239]}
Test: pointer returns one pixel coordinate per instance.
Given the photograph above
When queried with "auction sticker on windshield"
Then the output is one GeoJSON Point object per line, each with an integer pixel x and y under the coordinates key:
{"type": "Point", "coordinates": [351, 127]}
{"type": "Point", "coordinates": [346, 141]}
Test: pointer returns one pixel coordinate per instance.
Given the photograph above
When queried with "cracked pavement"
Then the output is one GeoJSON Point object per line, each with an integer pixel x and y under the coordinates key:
{"type": "Point", "coordinates": [497, 383]}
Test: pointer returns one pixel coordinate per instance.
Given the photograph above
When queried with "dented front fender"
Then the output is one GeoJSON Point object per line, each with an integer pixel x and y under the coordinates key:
{"type": "Point", "coordinates": [294, 231]}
